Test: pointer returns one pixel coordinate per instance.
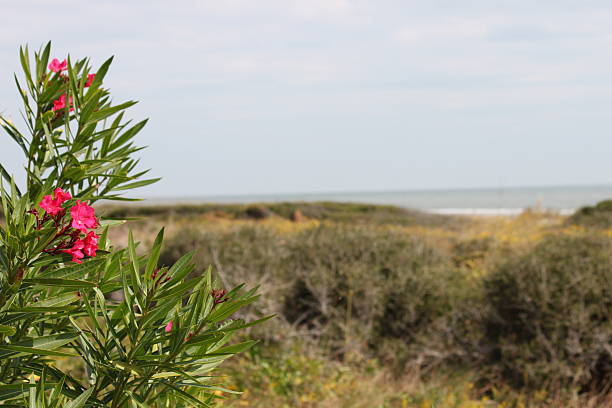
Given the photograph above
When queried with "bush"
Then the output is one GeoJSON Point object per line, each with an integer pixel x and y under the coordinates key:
{"type": "Point", "coordinates": [351, 288]}
{"type": "Point", "coordinates": [598, 216]}
{"type": "Point", "coordinates": [538, 319]}
{"type": "Point", "coordinates": [550, 313]}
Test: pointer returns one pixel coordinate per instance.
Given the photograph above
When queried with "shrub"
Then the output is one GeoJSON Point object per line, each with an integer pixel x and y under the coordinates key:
{"type": "Point", "coordinates": [598, 216]}
{"type": "Point", "coordinates": [354, 289]}
{"type": "Point", "coordinates": [550, 313]}
{"type": "Point", "coordinates": [156, 347]}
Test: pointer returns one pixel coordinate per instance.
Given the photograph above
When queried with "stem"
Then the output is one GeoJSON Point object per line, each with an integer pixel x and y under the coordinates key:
{"type": "Point", "coordinates": [118, 394]}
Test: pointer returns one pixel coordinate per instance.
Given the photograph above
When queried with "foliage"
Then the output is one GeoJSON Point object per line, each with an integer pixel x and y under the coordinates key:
{"type": "Point", "coordinates": [349, 213]}
{"type": "Point", "coordinates": [352, 289]}
{"type": "Point", "coordinates": [160, 344]}
{"type": "Point", "coordinates": [598, 216]}
{"type": "Point", "coordinates": [550, 313]}
{"type": "Point", "coordinates": [425, 300]}
{"type": "Point", "coordinates": [297, 376]}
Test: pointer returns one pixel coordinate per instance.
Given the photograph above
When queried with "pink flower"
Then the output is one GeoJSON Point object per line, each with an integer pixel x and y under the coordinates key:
{"type": "Point", "coordinates": [76, 251]}
{"type": "Point", "coordinates": [83, 217]}
{"type": "Point", "coordinates": [168, 327]}
{"type": "Point", "coordinates": [60, 103]}
{"type": "Point", "coordinates": [49, 205]}
{"type": "Point", "coordinates": [57, 66]}
{"type": "Point", "coordinates": [90, 79]}
{"type": "Point", "coordinates": [90, 243]}
{"type": "Point", "coordinates": [81, 247]}
{"type": "Point", "coordinates": [61, 196]}
{"type": "Point", "coordinates": [53, 205]}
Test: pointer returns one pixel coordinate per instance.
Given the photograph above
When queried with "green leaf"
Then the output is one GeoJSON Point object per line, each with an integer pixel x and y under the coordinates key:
{"type": "Point", "coordinates": [11, 391]}
{"type": "Point", "coordinates": [225, 310]}
{"type": "Point", "coordinates": [240, 326]}
{"type": "Point", "coordinates": [44, 343]}
{"type": "Point", "coordinates": [7, 330]}
{"type": "Point", "coordinates": [15, 351]}
{"type": "Point", "coordinates": [106, 112]}
{"type": "Point", "coordinates": [111, 222]}
{"type": "Point", "coordinates": [3, 260]}
{"type": "Point", "coordinates": [235, 348]}
{"type": "Point", "coordinates": [178, 291]}
{"type": "Point", "coordinates": [57, 301]}
{"type": "Point", "coordinates": [181, 268]}
{"type": "Point", "coordinates": [137, 184]}
{"type": "Point", "coordinates": [128, 134]}
{"type": "Point", "coordinates": [14, 134]}
{"type": "Point", "coordinates": [80, 401]}
{"type": "Point", "coordinates": [183, 395]}
{"type": "Point", "coordinates": [63, 283]}
{"type": "Point", "coordinates": [154, 256]}
{"type": "Point", "coordinates": [102, 72]}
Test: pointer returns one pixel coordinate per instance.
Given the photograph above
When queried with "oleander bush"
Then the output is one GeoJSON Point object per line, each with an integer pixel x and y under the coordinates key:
{"type": "Point", "coordinates": [160, 344]}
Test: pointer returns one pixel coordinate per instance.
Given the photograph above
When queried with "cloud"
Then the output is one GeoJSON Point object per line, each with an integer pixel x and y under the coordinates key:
{"type": "Point", "coordinates": [448, 29]}
{"type": "Point", "coordinates": [332, 71]}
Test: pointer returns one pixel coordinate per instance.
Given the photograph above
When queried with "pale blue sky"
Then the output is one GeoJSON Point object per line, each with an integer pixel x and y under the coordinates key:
{"type": "Point", "coordinates": [285, 96]}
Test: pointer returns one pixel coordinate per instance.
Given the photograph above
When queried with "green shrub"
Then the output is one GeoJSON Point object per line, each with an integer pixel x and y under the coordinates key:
{"type": "Point", "coordinates": [550, 313]}
{"type": "Point", "coordinates": [598, 216]}
{"type": "Point", "coordinates": [351, 288]}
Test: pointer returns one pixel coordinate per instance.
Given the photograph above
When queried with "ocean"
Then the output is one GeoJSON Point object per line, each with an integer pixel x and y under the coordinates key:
{"type": "Point", "coordinates": [480, 201]}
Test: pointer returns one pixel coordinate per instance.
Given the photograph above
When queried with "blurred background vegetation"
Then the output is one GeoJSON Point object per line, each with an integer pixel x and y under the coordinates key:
{"type": "Point", "coordinates": [379, 306]}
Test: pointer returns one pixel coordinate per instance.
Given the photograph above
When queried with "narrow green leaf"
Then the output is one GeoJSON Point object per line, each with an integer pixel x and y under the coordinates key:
{"type": "Point", "coordinates": [14, 351]}
{"type": "Point", "coordinates": [46, 343]}
{"type": "Point", "coordinates": [154, 257]}
{"type": "Point", "coordinates": [137, 184]}
{"type": "Point", "coordinates": [235, 348]}
{"type": "Point", "coordinates": [58, 301]}
{"type": "Point", "coordinates": [7, 330]}
{"type": "Point", "coordinates": [80, 401]}
{"type": "Point", "coordinates": [135, 262]}
{"type": "Point", "coordinates": [106, 112]}
{"type": "Point", "coordinates": [64, 283]}
{"type": "Point", "coordinates": [245, 325]}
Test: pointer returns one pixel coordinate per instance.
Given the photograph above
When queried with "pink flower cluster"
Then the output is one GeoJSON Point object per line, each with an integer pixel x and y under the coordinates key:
{"type": "Point", "coordinates": [76, 236]}
{"type": "Point", "coordinates": [53, 204]}
{"type": "Point", "coordinates": [57, 67]}
{"type": "Point", "coordinates": [60, 103]}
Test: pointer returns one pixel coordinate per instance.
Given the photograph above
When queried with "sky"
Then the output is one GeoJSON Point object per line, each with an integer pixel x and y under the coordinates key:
{"type": "Point", "coordinates": [309, 96]}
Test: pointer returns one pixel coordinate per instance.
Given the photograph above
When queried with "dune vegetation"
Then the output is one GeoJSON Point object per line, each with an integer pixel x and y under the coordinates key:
{"type": "Point", "coordinates": [378, 306]}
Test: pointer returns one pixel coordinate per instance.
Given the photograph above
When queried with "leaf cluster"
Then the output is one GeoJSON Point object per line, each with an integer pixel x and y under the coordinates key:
{"type": "Point", "coordinates": [88, 146]}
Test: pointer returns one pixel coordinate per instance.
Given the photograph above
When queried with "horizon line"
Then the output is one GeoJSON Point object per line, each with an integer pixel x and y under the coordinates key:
{"type": "Point", "coordinates": [394, 191]}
